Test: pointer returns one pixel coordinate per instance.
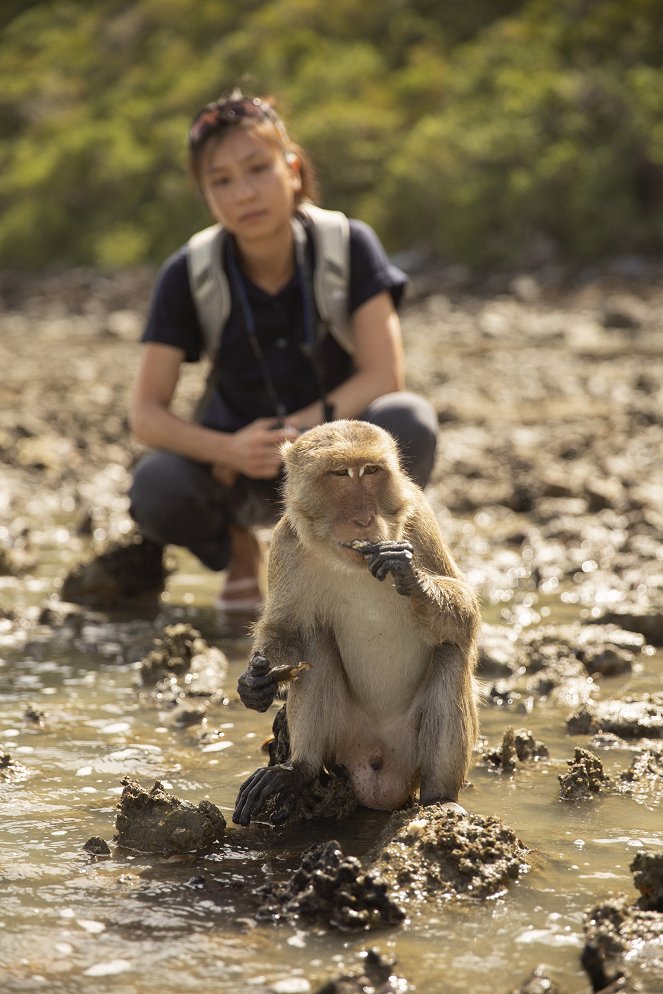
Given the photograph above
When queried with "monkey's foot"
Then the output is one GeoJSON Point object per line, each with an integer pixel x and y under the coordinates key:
{"type": "Point", "coordinates": [257, 687]}
{"type": "Point", "coordinates": [390, 557]}
{"type": "Point", "coordinates": [285, 783]}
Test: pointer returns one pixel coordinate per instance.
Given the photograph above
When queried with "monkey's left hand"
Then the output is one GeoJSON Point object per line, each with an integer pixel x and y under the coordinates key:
{"type": "Point", "coordinates": [257, 687]}
{"type": "Point", "coordinates": [391, 557]}
{"type": "Point", "coordinates": [285, 782]}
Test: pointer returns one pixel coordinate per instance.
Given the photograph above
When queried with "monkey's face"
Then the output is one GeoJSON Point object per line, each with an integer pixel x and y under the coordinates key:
{"type": "Point", "coordinates": [344, 485]}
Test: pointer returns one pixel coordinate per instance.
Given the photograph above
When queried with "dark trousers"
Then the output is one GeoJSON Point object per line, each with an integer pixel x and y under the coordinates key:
{"type": "Point", "coordinates": [175, 500]}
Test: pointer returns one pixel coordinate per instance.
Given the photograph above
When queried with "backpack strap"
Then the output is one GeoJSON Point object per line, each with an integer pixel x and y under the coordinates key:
{"type": "Point", "coordinates": [209, 284]}
{"type": "Point", "coordinates": [331, 277]}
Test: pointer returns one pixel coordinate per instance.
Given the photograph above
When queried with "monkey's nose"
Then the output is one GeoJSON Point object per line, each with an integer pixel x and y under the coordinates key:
{"type": "Point", "coordinates": [363, 519]}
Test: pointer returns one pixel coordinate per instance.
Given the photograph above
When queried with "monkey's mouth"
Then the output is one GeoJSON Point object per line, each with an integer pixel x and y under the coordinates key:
{"type": "Point", "coordinates": [357, 544]}
{"type": "Point", "coordinates": [361, 546]}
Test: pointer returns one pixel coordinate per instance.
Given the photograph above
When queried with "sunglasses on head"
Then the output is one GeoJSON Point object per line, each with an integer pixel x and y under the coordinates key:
{"type": "Point", "coordinates": [222, 113]}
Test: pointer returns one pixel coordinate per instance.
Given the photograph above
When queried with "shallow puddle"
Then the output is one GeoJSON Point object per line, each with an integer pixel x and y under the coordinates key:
{"type": "Point", "coordinates": [72, 923]}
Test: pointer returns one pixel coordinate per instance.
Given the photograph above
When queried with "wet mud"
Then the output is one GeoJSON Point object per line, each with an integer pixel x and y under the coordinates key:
{"type": "Point", "coordinates": [549, 489]}
{"type": "Point", "coordinates": [333, 890]}
{"type": "Point", "coordinates": [562, 662]}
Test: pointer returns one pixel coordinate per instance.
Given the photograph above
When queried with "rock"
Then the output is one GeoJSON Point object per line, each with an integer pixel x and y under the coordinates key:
{"type": "Point", "coordinates": [180, 663]}
{"type": "Point", "coordinates": [560, 660]}
{"type": "Point", "coordinates": [184, 717]}
{"type": "Point", "coordinates": [622, 942]}
{"type": "Point", "coordinates": [375, 973]}
{"type": "Point", "coordinates": [624, 311]}
{"type": "Point", "coordinates": [644, 775]}
{"type": "Point", "coordinates": [517, 747]}
{"type": "Point", "coordinates": [437, 850]}
{"type": "Point", "coordinates": [96, 846]}
{"type": "Point", "coordinates": [647, 870]}
{"type": "Point", "coordinates": [497, 652]}
{"type": "Point", "coordinates": [607, 740]}
{"type": "Point", "coordinates": [11, 772]}
{"type": "Point", "coordinates": [331, 889]}
{"type": "Point", "coordinates": [119, 576]}
{"type": "Point", "coordinates": [630, 718]}
{"type": "Point", "coordinates": [34, 715]}
{"type": "Point", "coordinates": [159, 822]}
{"type": "Point", "coordinates": [538, 982]}
{"type": "Point", "coordinates": [602, 650]}
{"type": "Point", "coordinates": [585, 778]}
{"type": "Point", "coordinates": [644, 618]}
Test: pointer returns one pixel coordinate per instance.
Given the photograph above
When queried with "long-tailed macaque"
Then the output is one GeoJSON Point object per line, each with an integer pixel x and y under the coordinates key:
{"type": "Point", "coordinates": [389, 694]}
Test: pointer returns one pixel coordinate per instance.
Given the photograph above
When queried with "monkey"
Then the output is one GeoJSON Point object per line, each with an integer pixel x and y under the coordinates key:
{"type": "Point", "coordinates": [362, 587]}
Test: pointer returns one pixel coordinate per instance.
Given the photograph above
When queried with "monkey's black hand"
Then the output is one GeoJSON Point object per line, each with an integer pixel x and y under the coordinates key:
{"type": "Point", "coordinates": [256, 687]}
{"type": "Point", "coordinates": [285, 783]}
{"type": "Point", "coordinates": [391, 557]}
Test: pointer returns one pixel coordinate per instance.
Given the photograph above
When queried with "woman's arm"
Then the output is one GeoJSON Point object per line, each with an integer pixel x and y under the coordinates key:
{"type": "Point", "coordinates": [252, 451]}
{"type": "Point", "coordinates": [378, 361]}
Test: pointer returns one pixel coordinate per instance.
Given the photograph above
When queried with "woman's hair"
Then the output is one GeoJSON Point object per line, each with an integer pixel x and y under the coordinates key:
{"type": "Point", "coordinates": [257, 116]}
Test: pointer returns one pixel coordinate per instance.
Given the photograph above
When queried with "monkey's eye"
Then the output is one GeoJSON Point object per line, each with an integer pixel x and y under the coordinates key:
{"type": "Point", "coordinates": [339, 472]}
{"type": "Point", "coordinates": [369, 469]}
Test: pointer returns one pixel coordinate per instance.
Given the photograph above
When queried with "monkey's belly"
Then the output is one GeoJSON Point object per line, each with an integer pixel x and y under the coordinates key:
{"type": "Point", "coordinates": [385, 661]}
{"type": "Point", "coordinates": [383, 654]}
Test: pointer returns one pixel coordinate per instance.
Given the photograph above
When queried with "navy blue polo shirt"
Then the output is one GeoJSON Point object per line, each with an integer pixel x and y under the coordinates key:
{"type": "Point", "coordinates": [241, 395]}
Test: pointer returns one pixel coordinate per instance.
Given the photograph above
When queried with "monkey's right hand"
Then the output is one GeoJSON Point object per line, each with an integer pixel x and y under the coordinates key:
{"type": "Point", "coordinates": [257, 687]}
{"type": "Point", "coordinates": [390, 557]}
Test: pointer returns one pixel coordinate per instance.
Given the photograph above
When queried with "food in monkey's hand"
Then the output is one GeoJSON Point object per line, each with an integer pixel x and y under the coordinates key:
{"type": "Point", "coordinates": [284, 674]}
{"type": "Point", "coordinates": [259, 684]}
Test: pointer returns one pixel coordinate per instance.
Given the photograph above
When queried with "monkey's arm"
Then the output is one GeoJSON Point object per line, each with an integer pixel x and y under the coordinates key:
{"type": "Point", "coordinates": [277, 655]}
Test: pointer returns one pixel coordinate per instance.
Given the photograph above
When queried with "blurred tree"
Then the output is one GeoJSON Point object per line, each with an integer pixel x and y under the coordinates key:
{"type": "Point", "coordinates": [479, 131]}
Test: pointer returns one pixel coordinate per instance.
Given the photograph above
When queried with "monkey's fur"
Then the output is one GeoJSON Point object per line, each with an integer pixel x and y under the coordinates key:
{"type": "Point", "coordinates": [390, 695]}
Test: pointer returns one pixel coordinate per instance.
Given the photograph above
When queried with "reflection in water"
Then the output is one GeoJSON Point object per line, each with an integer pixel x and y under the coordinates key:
{"type": "Point", "coordinates": [129, 922]}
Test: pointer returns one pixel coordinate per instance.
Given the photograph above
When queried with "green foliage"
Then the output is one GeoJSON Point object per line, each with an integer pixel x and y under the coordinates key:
{"type": "Point", "coordinates": [475, 130]}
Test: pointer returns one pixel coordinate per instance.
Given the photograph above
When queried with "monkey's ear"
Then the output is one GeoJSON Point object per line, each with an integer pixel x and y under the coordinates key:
{"type": "Point", "coordinates": [285, 450]}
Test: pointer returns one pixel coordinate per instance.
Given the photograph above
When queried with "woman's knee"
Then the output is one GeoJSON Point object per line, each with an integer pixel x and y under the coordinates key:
{"type": "Point", "coordinates": [170, 495]}
{"type": "Point", "coordinates": [412, 421]}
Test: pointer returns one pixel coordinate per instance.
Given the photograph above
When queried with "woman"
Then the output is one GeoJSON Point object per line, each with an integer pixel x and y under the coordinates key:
{"type": "Point", "coordinates": [210, 482]}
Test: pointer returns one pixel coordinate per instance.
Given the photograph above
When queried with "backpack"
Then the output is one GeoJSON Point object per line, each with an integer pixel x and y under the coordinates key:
{"type": "Point", "coordinates": [331, 276]}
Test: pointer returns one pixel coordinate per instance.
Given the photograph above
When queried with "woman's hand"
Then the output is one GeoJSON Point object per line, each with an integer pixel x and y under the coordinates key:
{"type": "Point", "coordinates": [254, 451]}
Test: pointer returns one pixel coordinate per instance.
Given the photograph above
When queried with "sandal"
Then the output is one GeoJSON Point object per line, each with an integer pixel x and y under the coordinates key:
{"type": "Point", "coordinates": [250, 604]}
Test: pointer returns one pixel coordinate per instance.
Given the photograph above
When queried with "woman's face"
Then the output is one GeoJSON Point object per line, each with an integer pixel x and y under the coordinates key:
{"type": "Point", "coordinates": [248, 185]}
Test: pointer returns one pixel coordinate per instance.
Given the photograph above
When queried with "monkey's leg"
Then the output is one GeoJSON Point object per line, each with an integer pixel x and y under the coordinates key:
{"type": "Point", "coordinates": [448, 726]}
{"type": "Point", "coordinates": [317, 703]}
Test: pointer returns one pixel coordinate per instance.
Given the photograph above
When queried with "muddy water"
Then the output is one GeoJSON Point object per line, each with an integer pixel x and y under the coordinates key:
{"type": "Point", "coordinates": [70, 922]}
